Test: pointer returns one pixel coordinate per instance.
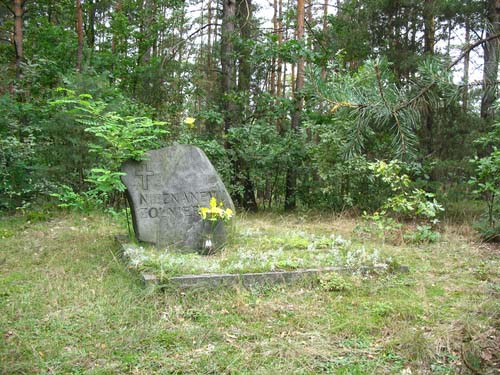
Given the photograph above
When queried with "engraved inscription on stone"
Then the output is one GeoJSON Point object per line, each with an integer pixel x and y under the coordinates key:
{"type": "Point", "coordinates": [166, 191]}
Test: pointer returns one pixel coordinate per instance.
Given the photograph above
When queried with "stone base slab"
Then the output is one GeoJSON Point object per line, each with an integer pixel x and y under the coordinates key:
{"type": "Point", "coordinates": [248, 279]}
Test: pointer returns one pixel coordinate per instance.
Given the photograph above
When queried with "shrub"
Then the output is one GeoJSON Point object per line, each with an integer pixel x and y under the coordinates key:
{"type": "Point", "coordinates": [486, 184]}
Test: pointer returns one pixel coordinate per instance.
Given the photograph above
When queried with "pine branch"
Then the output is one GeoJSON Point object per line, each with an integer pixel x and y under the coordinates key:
{"type": "Point", "coordinates": [394, 113]}
{"type": "Point", "coordinates": [6, 5]}
{"type": "Point", "coordinates": [451, 65]}
{"type": "Point", "coordinates": [320, 42]}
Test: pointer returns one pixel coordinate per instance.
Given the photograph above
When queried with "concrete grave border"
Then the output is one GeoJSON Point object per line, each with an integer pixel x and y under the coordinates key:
{"type": "Point", "coordinates": [214, 280]}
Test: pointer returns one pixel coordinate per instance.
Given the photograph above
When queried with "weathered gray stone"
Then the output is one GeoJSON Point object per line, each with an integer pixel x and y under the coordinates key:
{"type": "Point", "coordinates": [165, 192]}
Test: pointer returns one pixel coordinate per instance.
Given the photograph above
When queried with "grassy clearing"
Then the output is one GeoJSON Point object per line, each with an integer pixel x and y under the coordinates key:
{"type": "Point", "coordinates": [69, 306]}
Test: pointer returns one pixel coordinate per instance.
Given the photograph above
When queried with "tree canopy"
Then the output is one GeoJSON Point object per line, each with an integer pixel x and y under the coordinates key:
{"type": "Point", "coordinates": [290, 101]}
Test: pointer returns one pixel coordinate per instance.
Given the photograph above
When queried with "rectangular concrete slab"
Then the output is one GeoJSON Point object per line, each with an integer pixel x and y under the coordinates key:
{"type": "Point", "coordinates": [251, 279]}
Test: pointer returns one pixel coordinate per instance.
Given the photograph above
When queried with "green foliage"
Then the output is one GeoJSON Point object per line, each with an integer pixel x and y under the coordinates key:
{"type": "Point", "coordinates": [370, 88]}
{"type": "Point", "coordinates": [486, 183]}
{"type": "Point", "coordinates": [105, 181]}
{"type": "Point", "coordinates": [381, 225]}
{"type": "Point", "coordinates": [334, 282]}
{"type": "Point", "coordinates": [68, 198]}
{"type": "Point", "coordinates": [423, 234]}
{"type": "Point", "coordinates": [20, 177]}
{"type": "Point", "coordinates": [263, 155]}
{"type": "Point", "coordinates": [116, 138]}
{"type": "Point", "coordinates": [377, 110]}
{"type": "Point", "coordinates": [403, 202]}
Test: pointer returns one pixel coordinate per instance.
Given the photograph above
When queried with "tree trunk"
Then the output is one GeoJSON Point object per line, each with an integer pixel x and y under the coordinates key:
{"type": "Point", "coordinates": [79, 33]}
{"type": "Point", "coordinates": [291, 176]}
{"type": "Point", "coordinates": [280, 41]}
{"type": "Point", "coordinates": [209, 39]}
{"type": "Point", "coordinates": [429, 27]}
{"type": "Point", "coordinates": [272, 89]}
{"type": "Point", "coordinates": [90, 30]}
{"type": "Point", "coordinates": [491, 60]}
{"type": "Point", "coordinates": [228, 87]}
{"type": "Point", "coordinates": [325, 34]}
{"type": "Point", "coordinates": [310, 21]}
{"type": "Point", "coordinates": [465, 96]}
{"type": "Point", "coordinates": [114, 40]}
{"type": "Point", "coordinates": [145, 43]}
{"type": "Point", "coordinates": [228, 83]}
{"type": "Point", "coordinates": [429, 40]}
{"type": "Point", "coordinates": [244, 69]}
{"type": "Point", "coordinates": [244, 77]}
{"type": "Point", "coordinates": [18, 35]}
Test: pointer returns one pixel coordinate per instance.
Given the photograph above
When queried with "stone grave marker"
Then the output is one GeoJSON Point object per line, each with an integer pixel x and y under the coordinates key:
{"type": "Point", "coordinates": [165, 192]}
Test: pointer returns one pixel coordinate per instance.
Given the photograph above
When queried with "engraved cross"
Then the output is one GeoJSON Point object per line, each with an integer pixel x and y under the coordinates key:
{"type": "Point", "coordinates": [144, 174]}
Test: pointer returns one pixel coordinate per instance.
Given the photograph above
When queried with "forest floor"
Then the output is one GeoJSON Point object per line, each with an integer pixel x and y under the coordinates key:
{"type": "Point", "coordinates": [70, 305]}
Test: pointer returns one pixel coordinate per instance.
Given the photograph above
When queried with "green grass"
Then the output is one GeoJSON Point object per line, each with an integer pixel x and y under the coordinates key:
{"type": "Point", "coordinates": [68, 305]}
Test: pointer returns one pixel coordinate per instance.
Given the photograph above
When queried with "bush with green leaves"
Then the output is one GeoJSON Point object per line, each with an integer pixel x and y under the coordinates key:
{"type": "Point", "coordinates": [423, 234]}
{"type": "Point", "coordinates": [21, 176]}
{"type": "Point", "coordinates": [486, 183]}
{"type": "Point", "coordinates": [404, 202]}
{"type": "Point", "coordinates": [115, 138]}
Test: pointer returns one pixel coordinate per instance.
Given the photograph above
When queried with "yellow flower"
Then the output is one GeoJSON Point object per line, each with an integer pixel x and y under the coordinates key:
{"type": "Point", "coordinates": [213, 203]}
{"type": "Point", "coordinates": [215, 211]}
{"type": "Point", "coordinates": [189, 121]}
{"type": "Point", "coordinates": [203, 212]}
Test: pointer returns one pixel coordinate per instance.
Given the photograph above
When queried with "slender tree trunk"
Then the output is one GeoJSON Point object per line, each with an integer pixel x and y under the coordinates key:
{"type": "Point", "coordinates": [429, 27]}
{"type": "Point", "coordinates": [79, 33]}
{"type": "Point", "coordinates": [209, 38]}
{"type": "Point", "coordinates": [145, 45]}
{"type": "Point", "coordinates": [325, 34]}
{"type": "Point", "coordinates": [50, 13]}
{"type": "Point", "coordinates": [272, 89]}
{"type": "Point", "coordinates": [310, 21]}
{"type": "Point", "coordinates": [227, 62]}
{"type": "Point", "coordinates": [491, 60]}
{"type": "Point", "coordinates": [244, 77]}
{"type": "Point", "coordinates": [114, 41]}
{"type": "Point", "coordinates": [291, 176]}
{"type": "Point", "coordinates": [429, 40]}
{"type": "Point", "coordinates": [244, 68]}
{"type": "Point", "coordinates": [310, 36]}
{"type": "Point", "coordinates": [227, 79]}
{"type": "Point", "coordinates": [448, 44]}
{"type": "Point", "coordinates": [18, 35]}
{"type": "Point", "coordinates": [90, 30]}
{"type": "Point", "coordinates": [280, 41]}
{"type": "Point", "coordinates": [465, 96]}
{"type": "Point", "coordinates": [284, 80]}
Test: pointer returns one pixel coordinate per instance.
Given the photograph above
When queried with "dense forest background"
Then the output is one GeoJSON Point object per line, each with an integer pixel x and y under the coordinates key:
{"type": "Point", "coordinates": [292, 109]}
